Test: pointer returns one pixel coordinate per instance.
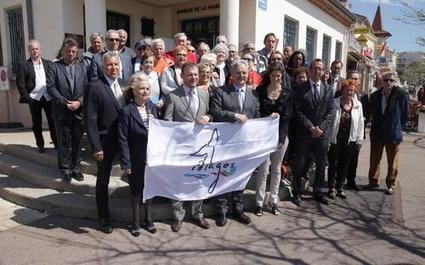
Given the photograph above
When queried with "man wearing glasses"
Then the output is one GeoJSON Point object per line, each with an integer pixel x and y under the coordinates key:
{"type": "Point", "coordinates": [112, 43]}
{"type": "Point", "coordinates": [389, 114]}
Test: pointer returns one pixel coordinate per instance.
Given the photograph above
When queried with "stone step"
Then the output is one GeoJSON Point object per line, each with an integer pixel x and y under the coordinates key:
{"type": "Point", "coordinates": [48, 177]}
{"type": "Point", "coordinates": [49, 158]}
{"type": "Point", "coordinates": [84, 206]}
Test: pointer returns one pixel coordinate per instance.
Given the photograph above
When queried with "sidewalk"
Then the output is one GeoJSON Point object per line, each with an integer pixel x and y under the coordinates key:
{"type": "Point", "coordinates": [368, 228]}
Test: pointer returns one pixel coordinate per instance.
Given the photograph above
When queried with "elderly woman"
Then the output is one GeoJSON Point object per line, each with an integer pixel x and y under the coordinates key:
{"type": "Point", "coordinates": [204, 81]}
{"type": "Point", "coordinates": [233, 54]}
{"type": "Point", "coordinates": [203, 49]}
{"type": "Point", "coordinates": [156, 95]}
{"type": "Point", "coordinates": [275, 100]}
{"type": "Point", "coordinates": [346, 136]}
{"type": "Point", "coordinates": [171, 78]}
{"type": "Point", "coordinates": [133, 138]}
{"type": "Point", "coordinates": [221, 68]}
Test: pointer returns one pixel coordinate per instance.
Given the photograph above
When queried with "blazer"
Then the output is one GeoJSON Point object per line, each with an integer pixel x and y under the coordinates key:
{"type": "Point", "coordinates": [95, 69]}
{"type": "Point", "coordinates": [309, 112]}
{"type": "Point", "coordinates": [283, 105]}
{"type": "Point", "coordinates": [25, 78]}
{"type": "Point", "coordinates": [169, 80]}
{"type": "Point", "coordinates": [388, 126]}
{"type": "Point", "coordinates": [225, 104]}
{"type": "Point", "coordinates": [133, 136]}
{"type": "Point", "coordinates": [101, 113]}
{"type": "Point", "coordinates": [59, 88]}
{"type": "Point", "coordinates": [177, 107]}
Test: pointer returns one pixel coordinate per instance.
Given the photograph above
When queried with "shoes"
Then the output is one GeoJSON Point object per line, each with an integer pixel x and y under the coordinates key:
{"type": "Point", "coordinates": [78, 176]}
{"type": "Point", "coordinates": [297, 200]}
{"type": "Point", "coordinates": [389, 191]}
{"type": "Point", "coordinates": [286, 182]}
{"type": "Point", "coordinates": [201, 222]}
{"type": "Point", "coordinates": [105, 226]}
{"type": "Point", "coordinates": [352, 186]}
{"type": "Point", "coordinates": [41, 149]}
{"type": "Point", "coordinates": [331, 194]}
{"type": "Point", "coordinates": [135, 230]}
{"type": "Point", "coordinates": [320, 199]}
{"type": "Point", "coordinates": [341, 194]}
{"type": "Point", "coordinates": [275, 209]}
{"type": "Point", "coordinates": [221, 220]}
{"type": "Point", "coordinates": [66, 177]}
{"type": "Point", "coordinates": [371, 186]}
{"type": "Point", "coordinates": [259, 211]}
{"type": "Point", "coordinates": [176, 226]}
{"type": "Point", "coordinates": [241, 218]}
{"type": "Point", "coordinates": [150, 227]}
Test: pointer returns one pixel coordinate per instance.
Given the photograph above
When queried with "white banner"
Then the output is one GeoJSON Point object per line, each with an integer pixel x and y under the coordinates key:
{"type": "Point", "coordinates": [193, 162]}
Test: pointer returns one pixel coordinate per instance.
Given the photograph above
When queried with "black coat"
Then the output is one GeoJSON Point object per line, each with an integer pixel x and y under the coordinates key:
{"type": "Point", "coordinates": [25, 78]}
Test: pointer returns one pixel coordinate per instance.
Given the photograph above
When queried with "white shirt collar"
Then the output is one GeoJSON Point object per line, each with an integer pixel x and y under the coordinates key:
{"type": "Point", "coordinates": [238, 88]}
{"type": "Point", "coordinates": [110, 81]}
{"type": "Point", "coordinates": [187, 90]}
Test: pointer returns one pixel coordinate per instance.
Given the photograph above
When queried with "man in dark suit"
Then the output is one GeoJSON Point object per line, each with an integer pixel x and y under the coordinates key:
{"type": "Point", "coordinates": [31, 84]}
{"type": "Point", "coordinates": [389, 109]}
{"type": "Point", "coordinates": [112, 43]}
{"type": "Point", "coordinates": [66, 81]}
{"type": "Point", "coordinates": [103, 102]}
{"type": "Point", "coordinates": [234, 103]}
{"type": "Point", "coordinates": [313, 115]}
{"type": "Point", "coordinates": [336, 79]}
{"type": "Point", "coordinates": [190, 104]}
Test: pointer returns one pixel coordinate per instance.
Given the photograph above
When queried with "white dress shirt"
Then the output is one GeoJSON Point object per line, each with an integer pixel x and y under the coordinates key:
{"type": "Point", "coordinates": [40, 82]}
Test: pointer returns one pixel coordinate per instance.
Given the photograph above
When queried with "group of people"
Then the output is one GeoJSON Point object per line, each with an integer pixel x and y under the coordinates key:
{"type": "Point", "coordinates": [111, 94]}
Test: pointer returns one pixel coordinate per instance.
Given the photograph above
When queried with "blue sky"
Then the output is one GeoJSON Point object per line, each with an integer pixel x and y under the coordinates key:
{"type": "Point", "coordinates": [404, 35]}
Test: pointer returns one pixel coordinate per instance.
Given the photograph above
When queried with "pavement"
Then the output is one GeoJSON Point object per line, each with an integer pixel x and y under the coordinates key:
{"type": "Point", "coordinates": [367, 228]}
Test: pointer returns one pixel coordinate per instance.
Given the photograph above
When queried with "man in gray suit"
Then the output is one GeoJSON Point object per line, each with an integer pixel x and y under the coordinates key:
{"type": "Point", "coordinates": [66, 81]}
{"type": "Point", "coordinates": [234, 103]}
{"type": "Point", "coordinates": [188, 104]}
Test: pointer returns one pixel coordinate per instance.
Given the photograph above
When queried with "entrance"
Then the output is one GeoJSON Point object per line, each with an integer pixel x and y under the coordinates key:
{"type": "Point", "coordinates": [202, 29]}
{"type": "Point", "coordinates": [118, 21]}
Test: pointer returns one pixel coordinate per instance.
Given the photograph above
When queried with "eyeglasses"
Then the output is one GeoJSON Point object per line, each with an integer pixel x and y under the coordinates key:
{"type": "Point", "coordinates": [389, 80]}
{"type": "Point", "coordinates": [114, 39]}
{"type": "Point", "coordinates": [247, 59]}
{"type": "Point", "coordinates": [276, 59]}
{"type": "Point", "coordinates": [250, 48]}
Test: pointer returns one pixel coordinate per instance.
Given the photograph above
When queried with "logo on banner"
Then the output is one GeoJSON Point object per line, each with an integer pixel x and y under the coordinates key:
{"type": "Point", "coordinates": [206, 167]}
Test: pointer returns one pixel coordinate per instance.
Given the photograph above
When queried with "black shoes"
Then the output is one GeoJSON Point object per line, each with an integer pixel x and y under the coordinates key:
{"type": "Point", "coordinates": [221, 220]}
{"type": "Point", "coordinates": [201, 222]}
{"type": "Point", "coordinates": [331, 194]}
{"type": "Point", "coordinates": [241, 218]}
{"type": "Point", "coordinates": [105, 226]}
{"type": "Point", "coordinates": [66, 177]}
{"type": "Point", "coordinates": [78, 176]}
{"type": "Point", "coordinates": [275, 209]}
{"type": "Point", "coordinates": [389, 191]}
{"type": "Point", "coordinates": [150, 227]}
{"type": "Point", "coordinates": [135, 230]}
{"type": "Point", "coordinates": [320, 199]}
{"type": "Point", "coordinates": [259, 211]}
{"type": "Point", "coordinates": [176, 226]}
{"type": "Point", "coordinates": [352, 186]}
{"type": "Point", "coordinates": [341, 194]}
{"type": "Point", "coordinates": [41, 149]}
{"type": "Point", "coordinates": [297, 200]}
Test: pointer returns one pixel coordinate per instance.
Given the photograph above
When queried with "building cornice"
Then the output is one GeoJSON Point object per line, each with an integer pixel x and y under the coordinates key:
{"type": "Point", "coordinates": [335, 10]}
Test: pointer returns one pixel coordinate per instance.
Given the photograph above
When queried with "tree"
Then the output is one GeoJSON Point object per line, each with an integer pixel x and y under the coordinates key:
{"type": "Point", "coordinates": [413, 16]}
{"type": "Point", "coordinates": [414, 73]}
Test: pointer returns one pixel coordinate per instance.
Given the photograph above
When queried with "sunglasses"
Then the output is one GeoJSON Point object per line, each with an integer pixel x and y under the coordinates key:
{"type": "Point", "coordinates": [276, 59]}
{"type": "Point", "coordinates": [389, 80]}
{"type": "Point", "coordinates": [117, 39]}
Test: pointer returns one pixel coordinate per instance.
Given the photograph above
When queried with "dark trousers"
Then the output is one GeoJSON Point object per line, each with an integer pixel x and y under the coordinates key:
{"type": "Point", "coordinates": [36, 115]}
{"type": "Point", "coordinates": [234, 197]}
{"type": "Point", "coordinates": [104, 167]}
{"type": "Point", "coordinates": [340, 156]}
{"type": "Point", "coordinates": [69, 133]}
{"type": "Point", "coordinates": [352, 168]}
{"type": "Point", "coordinates": [304, 147]}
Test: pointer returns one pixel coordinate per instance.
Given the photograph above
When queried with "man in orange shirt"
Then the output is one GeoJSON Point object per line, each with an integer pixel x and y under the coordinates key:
{"type": "Point", "coordinates": [161, 63]}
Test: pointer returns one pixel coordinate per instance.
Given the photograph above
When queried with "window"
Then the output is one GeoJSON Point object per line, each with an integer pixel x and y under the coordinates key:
{"type": "Point", "coordinates": [290, 33]}
{"type": "Point", "coordinates": [326, 49]}
{"type": "Point", "coordinates": [310, 45]}
{"type": "Point", "coordinates": [338, 51]}
{"type": "Point", "coordinates": [16, 37]}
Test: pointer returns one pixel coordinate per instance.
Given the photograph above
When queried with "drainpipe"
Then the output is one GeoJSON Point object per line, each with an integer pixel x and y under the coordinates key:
{"type": "Point", "coordinates": [30, 19]}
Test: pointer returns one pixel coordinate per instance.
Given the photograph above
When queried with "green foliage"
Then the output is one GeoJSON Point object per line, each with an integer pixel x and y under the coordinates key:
{"type": "Point", "coordinates": [414, 74]}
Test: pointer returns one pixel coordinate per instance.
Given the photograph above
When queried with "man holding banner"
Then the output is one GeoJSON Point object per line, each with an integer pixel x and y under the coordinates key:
{"type": "Point", "coordinates": [188, 104]}
{"type": "Point", "coordinates": [234, 103]}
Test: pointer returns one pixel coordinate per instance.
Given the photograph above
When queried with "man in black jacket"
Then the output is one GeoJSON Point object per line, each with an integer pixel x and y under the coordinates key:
{"type": "Point", "coordinates": [31, 83]}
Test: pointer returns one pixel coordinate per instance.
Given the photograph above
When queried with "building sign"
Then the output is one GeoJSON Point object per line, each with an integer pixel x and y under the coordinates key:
{"type": "Point", "coordinates": [382, 60]}
{"type": "Point", "coordinates": [354, 44]}
{"type": "Point", "coordinates": [367, 52]}
{"type": "Point", "coordinates": [4, 81]}
{"type": "Point", "coordinates": [197, 9]}
{"type": "Point", "coordinates": [361, 30]}
{"type": "Point", "coordinates": [262, 4]}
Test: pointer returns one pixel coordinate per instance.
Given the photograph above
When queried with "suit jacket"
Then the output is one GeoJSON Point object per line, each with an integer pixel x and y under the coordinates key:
{"type": "Point", "coordinates": [133, 137]}
{"type": "Point", "coordinates": [169, 80]}
{"type": "Point", "coordinates": [309, 112]}
{"type": "Point", "coordinates": [388, 126]}
{"type": "Point", "coordinates": [338, 85]}
{"type": "Point", "coordinates": [95, 69]}
{"type": "Point", "coordinates": [225, 104]}
{"type": "Point", "coordinates": [59, 88]}
{"type": "Point", "coordinates": [101, 113]}
{"type": "Point", "coordinates": [177, 107]}
{"type": "Point", "coordinates": [25, 78]}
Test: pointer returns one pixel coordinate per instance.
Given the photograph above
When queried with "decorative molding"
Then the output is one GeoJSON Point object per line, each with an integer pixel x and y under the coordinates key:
{"type": "Point", "coordinates": [334, 11]}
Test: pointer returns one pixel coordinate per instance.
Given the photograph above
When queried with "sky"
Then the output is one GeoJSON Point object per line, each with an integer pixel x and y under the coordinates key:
{"type": "Point", "coordinates": [403, 35]}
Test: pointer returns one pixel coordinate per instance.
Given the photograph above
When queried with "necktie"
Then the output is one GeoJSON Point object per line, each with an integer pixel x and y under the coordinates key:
{"type": "Point", "coordinates": [193, 105]}
{"type": "Point", "coordinates": [241, 99]}
{"type": "Point", "coordinates": [118, 94]}
{"type": "Point", "coordinates": [316, 93]}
